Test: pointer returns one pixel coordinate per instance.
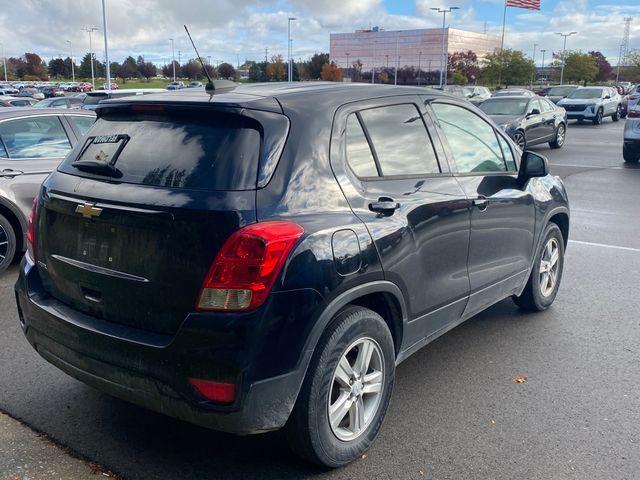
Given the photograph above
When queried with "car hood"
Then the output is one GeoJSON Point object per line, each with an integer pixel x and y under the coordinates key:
{"type": "Point", "coordinates": [506, 119]}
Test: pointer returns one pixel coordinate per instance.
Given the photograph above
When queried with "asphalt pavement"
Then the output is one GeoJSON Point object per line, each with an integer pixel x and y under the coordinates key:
{"type": "Point", "coordinates": [456, 412]}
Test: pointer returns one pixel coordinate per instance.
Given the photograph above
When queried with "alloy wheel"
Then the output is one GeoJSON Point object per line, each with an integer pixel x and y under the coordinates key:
{"type": "Point", "coordinates": [549, 265]}
{"type": "Point", "coordinates": [519, 139]}
{"type": "Point", "coordinates": [356, 389]}
{"type": "Point", "coordinates": [4, 243]}
{"type": "Point", "coordinates": [560, 135]}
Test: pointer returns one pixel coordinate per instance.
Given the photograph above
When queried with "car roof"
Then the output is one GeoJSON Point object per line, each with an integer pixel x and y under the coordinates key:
{"type": "Point", "coordinates": [275, 96]}
{"type": "Point", "coordinates": [511, 97]}
{"type": "Point", "coordinates": [16, 112]}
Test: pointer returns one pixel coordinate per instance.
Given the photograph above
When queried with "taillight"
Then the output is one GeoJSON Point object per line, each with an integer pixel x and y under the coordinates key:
{"type": "Point", "coordinates": [634, 97]}
{"type": "Point", "coordinates": [247, 265]}
{"type": "Point", "coordinates": [633, 113]}
{"type": "Point", "coordinates": [216, 391]}
{"type": "Point", "coordinates": [31, 230]}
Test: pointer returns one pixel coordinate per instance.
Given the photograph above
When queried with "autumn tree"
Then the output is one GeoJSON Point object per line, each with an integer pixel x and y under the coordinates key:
{"type": "Point", "coordinates": [315, 65]}
{"type": "Point", "coordinates": [580, 67]}
{"type": "Point", "coordinates": [34, 65]}
{"type": "Point", "coordinates": [226, 70]}
{"type": "Point", "coordinates": [605, 72]}
{"type": "Point", "coordinates": [276, 70]}
{"type": "Point", "coordinates": [147, 70]}
{"type": "Point", "coordinates": [331, 72]}
{"type": "Point", "coordinates": [466, 63]}
{"type": "Point", "coordinates": [191, 69]}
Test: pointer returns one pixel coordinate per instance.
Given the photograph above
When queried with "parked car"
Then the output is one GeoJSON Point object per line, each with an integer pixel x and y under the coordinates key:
{"type": "Point", "coordinates": [513, 92]}
{"type": "Point", "coordinates": [60, 102]}
{"type": "Point", "coordinates": [32, 143]}
{"type": "Point", "coordinates": [30, 92]}
{"type": "Point", "coordinates": [631, 145]}
{"type": "Point", "coordinates": [175, 86]}
{"type": "Point", "coordinates": [528, 120]}
{"type": "Point", "coordinates": [8, 90]}
{"type": "Point", "coordinates": [114, 86]}
{"type": "Point", "coordinates": [542, 91]}
{"type": "Point", "coordinates": [592, 103]}
{"type": "Point", "coordinates": [476, 94]}
{"type": "Point", "coordinates": [194, 85]}
{"type": "Point", "coordinates": [630, 100]}
{"type": "Point", "coordinates": [50, 92]}
{"type": "Point", "coordinates": [555, 94]}
{"type": "Point", "coordinates": [6, 101]}
{"type": "Point", "coordinates": [260, 267]}
{"type": "Point", "coordinates": [84, 87]}
{"type": "Point", "coordinates": [91, 99]}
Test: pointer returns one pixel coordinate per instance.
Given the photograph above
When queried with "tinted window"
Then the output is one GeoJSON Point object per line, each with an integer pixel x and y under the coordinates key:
{"type": "Point", "coordinates": [83, 124]}
{"type": "Point", "coordinates": [181, 151]}
{"type": "Point", "coordinates": [507, 153]}
{"type": "Point", "coordinates": [359, 154]}
{"type": "Point", "coordinates": [39, 137]}
{"type": "Point", "coordinates": [400, 140]}
{"type": "Point", "coordinates": [504, 106]}
{"type": "Point", "coordinates": [473, 141]}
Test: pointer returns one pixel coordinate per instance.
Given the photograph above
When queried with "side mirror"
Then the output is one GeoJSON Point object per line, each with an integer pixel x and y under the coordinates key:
{"type": "Point", "coordinates": [535, 111]}
{"type": "Point", "coordinates": [532, 165]}
{"type": "Point", "coordinates": [607, 97]}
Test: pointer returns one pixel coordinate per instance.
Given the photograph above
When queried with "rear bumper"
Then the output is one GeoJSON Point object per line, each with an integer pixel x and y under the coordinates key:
{"type": "Point", "coordinates": [152, 370]}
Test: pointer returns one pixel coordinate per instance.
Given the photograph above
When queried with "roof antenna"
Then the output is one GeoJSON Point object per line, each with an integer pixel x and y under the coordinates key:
{"type": "Point", "coordinates": [209, 87]}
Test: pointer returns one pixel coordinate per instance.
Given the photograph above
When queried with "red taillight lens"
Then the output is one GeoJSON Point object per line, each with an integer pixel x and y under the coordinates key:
{"type": "Point", "coordinates": [633, 113]}
{"type": "Point", "coordinates": [31, 230]}
{"type": "Point", "coordinates": [215, 391]}
{"type": "Point", "coordinates": [247, 265]}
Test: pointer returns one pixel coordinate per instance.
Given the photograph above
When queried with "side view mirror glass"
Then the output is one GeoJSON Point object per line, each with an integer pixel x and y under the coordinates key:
{"type": "Point", "coordinates": [607, 97]}
{"type": "Point", "coordinates": [532, 165]}
{"type": "Point", "coordinates": [535, 111]}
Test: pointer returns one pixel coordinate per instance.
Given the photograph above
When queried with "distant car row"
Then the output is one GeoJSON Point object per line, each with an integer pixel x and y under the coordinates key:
{"type": "Point", "coordinates": [180, 85]}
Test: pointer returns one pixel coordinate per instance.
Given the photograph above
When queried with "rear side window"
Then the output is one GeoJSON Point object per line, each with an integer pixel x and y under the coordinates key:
{"type": "Point", "coordinates": [36, 137]}
{"type": "Point", "coordinates": [400, 140]}
{"type": "Point", "coordinates": [83, 124]}
{"type": "Point", "coordinates": [359, 154]}
{"type": "Point", "coordinates": [177, 151]}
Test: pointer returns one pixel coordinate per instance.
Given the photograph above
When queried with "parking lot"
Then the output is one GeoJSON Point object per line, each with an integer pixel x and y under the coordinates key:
{"type": "Point", "coordinates": [456, 412]}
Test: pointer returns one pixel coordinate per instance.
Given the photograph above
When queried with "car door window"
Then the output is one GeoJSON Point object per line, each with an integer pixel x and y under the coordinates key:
{"type": "Point", "coordinates": [547, 106]}
{"type": "Point", "coordinates": [534, 105]}
{"type": "Point", "coordinates": [359, 155]}
{"type": "Point", "coordinates": [40, 137]}
{"type": "Point", "coordinates": [400, 140]}
{"type": "Point", "coordinates": [472, 141]}
{"type": "Point", "coordinates": [83, 124]}
{"type": "Point", "coordinates": [59, 103]}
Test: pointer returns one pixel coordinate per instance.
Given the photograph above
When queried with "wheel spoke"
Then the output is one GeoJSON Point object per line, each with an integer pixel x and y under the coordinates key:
{"type": "Point", "coordinates": [365, 351]}
{"type": "Point", "coordinates": [339, 409]}
{"type": "Point", "coordinates": [372, 383]}
{"type": "Point", "coordinates": [356, 415]}
{"type": "Point", "coordinates": [554, 257]}
{"type": "Point", "coordinates": [344, 372]}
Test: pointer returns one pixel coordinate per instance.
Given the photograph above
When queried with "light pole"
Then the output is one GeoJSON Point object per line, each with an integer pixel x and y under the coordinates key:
{"type": "Point", "coordinates": [564, 48]}
{"type": "Point", "coordinates": [73, 70]}
{"type": "Point", "coordinates": [289, 72]}
{"type": "Point", "coordinates": [419, 60]}
{"type": "Point", "coordinates": [347, 55]}
{"type": "Point", "coordinates": [443, 61]}
{"type": "Point", "coordinates": [619, 61]}
{"type": "Point", "coordinates": [106, 48]}
{"type": "Point", "coordinates": [543, 52]}
{"type": "Point", "coordinates": [89, 30]}
{"type": "Point", "coordinates": [395, 77]}
{"type": "Point", "coordinates": [534, 64]}
{"type": "Point", "coordinates": [373, 61]}
{"type": "Point", "coordinates": [173, 59]}
{"type": "Point", "coordinates": [4, 62]}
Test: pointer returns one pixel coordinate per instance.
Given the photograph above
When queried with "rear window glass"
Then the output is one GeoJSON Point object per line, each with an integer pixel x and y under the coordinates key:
{"type": "Point", "coordinates": [176, 151]}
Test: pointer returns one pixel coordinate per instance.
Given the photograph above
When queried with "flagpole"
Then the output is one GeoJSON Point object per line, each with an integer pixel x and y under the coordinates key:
{"type": "Point", "coordinates": [504, 20]}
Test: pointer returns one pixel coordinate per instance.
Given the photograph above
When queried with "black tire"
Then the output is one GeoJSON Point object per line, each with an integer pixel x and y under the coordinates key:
{"type": "Point", "coordinates": [8, 249]}
{"type": "Point", "coordinates": [617, 114]}
{"type": "Point", "coordinates": [533, 297]}
{"type": "Point", "coordinates": [629, 156]}
{"type": "Point", "coordinates": [520, 139]}
{"type": "Point", "coordinates": [308, 430]}
{"type": "Point", "coordinates": [598, 119]}
{"type": "Point", "coordinates": [558, 141]}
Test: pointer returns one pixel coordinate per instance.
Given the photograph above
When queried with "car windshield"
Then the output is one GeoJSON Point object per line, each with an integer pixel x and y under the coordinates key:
{"type": "Point", "coordinates": [560, 91]}
{"type": "Point", "coordinates": [506, 93]}
{"type": "Point", "coordinates": [583, 93]}
{"type": "Point", "coordinates": [506, 106]}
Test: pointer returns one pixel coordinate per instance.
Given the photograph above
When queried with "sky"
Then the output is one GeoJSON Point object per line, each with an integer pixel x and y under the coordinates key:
{"type": "Point", "coordinates": [228, 30]}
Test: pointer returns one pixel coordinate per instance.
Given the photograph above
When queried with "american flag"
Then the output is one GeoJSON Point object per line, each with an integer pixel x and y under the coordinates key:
{"type": "Point", "coordinates": [528, 4]}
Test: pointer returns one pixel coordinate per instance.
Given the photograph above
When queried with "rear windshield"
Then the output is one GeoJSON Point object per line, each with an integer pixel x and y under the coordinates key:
{"type": "Point", "coordinates": [560, 91]}
{"type": "Point", "coordinates": [93, 99]}
{"type": "Point", "coordinates": [177, 151]}
{"type": "Point", "coordinates": [505, 106]}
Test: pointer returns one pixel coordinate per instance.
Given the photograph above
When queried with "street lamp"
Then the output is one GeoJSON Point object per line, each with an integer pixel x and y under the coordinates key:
{"type": "Point", "coordinates": [289, 70]}
{"type": "Point", "coordinates": [73, 70]}
{"type": "Point", "coordinates": [395, 77]}
{"type": "Point", "coordinates": [106, 48]}
{"type": "Point", "coordinates": [444, 12]}
{"type": "Point", "coordinates": [543, 52]}
{"type": "Point", "coordinates": [619, 62]}
{"type": "Point", "coordinates": [564, 48]}
{"type": "Point", "coordinates": [373, 61]}
{"type": "Point", "coordinates": [347, 55]}
{"type": "Point", "coordinates": [89, 30]}
{"type": "Point", "coordinates": [173, 59]}
{"type": "Point", "coordinates": [419, 59]}
{"type": "Point", "coordinates": [4, 62]}
{"type": "Point", "coordinates": [534, 64]}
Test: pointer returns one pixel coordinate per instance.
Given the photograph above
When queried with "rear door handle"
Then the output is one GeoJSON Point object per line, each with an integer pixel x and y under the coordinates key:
{"type": "Point", "coordinates": [482, 203]}
{"type": "Point", "coordinates": [384, 205]}
{"type": "Point", "coordinates": [8, 172]}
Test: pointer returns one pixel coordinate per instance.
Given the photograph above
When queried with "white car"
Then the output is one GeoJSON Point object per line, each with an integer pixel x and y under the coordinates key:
{"type": "Point", "coordinates": [592, 103]}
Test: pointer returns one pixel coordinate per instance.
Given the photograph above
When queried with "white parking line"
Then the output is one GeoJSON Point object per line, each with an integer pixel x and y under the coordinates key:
{"type": "Point", "coordinates": [604, 245]}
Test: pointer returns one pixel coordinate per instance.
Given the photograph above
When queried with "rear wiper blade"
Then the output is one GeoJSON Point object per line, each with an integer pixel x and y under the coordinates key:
{"type": "Point", "coordinates": [97, 167]}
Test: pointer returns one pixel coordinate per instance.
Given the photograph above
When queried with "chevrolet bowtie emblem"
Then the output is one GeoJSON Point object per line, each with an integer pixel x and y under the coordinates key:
{"type": "Point", "coordinates": [88, 210]}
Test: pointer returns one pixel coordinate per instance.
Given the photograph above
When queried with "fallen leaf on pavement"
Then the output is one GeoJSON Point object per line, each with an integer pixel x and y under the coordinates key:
{"type": "Point", "coordinates": [519, 379]}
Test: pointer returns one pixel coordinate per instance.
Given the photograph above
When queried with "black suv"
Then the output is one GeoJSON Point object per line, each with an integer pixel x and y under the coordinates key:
{"type": "Point", "coordinates": [266, 257]}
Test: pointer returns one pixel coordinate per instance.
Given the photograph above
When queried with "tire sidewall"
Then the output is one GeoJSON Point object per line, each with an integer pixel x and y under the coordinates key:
{"type": "Point", "coordinates": [11, 239]}
{"type": "Point", "coordinates": [353, 324]}
{"type": "Point", "coordinates": [542, 302]}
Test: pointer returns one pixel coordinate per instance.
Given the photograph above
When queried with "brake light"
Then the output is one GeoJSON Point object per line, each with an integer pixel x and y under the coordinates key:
{"type": "Point", "coordinates": [633, 114]}
{"type": "Point", "coordinates": [215, 391]}
{"type": "Point", "coordinates": [246, 267]}
{"type": "Point", "coordinates": [31, 230]}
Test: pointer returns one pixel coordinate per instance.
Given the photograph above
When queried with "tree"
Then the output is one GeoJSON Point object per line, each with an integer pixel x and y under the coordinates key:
{"type": "Point", "coordinates": [276, 70]}
{"type": "Point", "coordinates": [191, 69]}
{"type": "Point", "coordinates": [258, 72]}
{"type": "Point", "coordinates": [605, 72]}
{"type": "Point", "coordinates": [226, 70]}
{"type": "Point", "coordinates": [509, 67]}
{"type": "Point", "coordinates": [631, 71]}
{"type": "Point", "coordinates": [84, 70]}
{"type": "Point", "coordinates": [56, 67]}
{"type": "Point", "coordinates": [315, 65]}
{"type": "Point", "coordinates": [34, 66]}
{"type": "Point", "coordinates": [466, 63]}
{"type": "Point", "coordinates": [580, 67]}
{"type": "Point", "coordinates": [458, 78]}
{"type": "Point", "coordinates": [331, 72]}
{"type": "Point", "coordinates": [147, 70]}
